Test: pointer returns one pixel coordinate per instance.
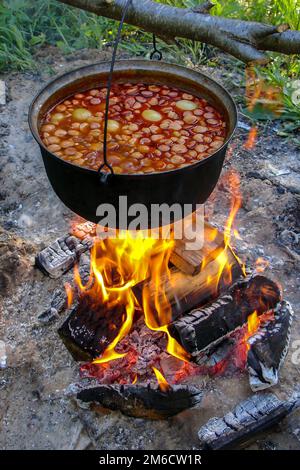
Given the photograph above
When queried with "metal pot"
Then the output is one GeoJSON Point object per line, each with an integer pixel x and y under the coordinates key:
{"type": "Point", "coordinates": [83, 190]}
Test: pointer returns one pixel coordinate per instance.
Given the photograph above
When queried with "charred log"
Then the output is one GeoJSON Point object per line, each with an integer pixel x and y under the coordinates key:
{"type": "Point", "coordinates": [59, 300]}
{"type": "Point", "coordinates": [211, 324]}
{"type": "Point", "coordinates": [140, 401]}
{"type": "Point", "coordinates": [250, 417]}
{"type": "Point", "coordinates": [90, 328]}
{"type": "Point", "coordinates": [269, 347]}
{"type": "Point", "coordinates": [57, 305]}
{"type": "Point", "coordinates": [61, 255]}
{"type": "Point", "coordinates": [184, 292]}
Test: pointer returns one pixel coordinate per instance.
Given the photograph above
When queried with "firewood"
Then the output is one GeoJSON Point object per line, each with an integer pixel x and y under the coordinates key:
{"type": "Point", "coordinates": [59, 301]}
{"type": "Point", "coordinates": [62, 254]}
{"type": "Point", "coordinates": [250, 417]}
{"type": "Point", "coordinates": [189, 261]}
{"type": "Point", "coordinates": [90, 328]}
{"type": "Point", "coordinates": [211, 324]}
{"type": "Point", "coordinates": [184, 292]}
{"type": "Point", "coordinates": [57, 305]}
{"type": "Point", "coordinates": [139, 400]}
{"type": "Point", "coordinates": [269, 347]}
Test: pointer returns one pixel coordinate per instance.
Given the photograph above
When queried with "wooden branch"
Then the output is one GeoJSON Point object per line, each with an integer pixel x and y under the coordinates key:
{"type": "Point", "coordinates": [245, 40]}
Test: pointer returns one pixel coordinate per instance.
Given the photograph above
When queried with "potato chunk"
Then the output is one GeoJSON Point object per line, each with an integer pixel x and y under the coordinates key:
{"type": "Point", "coordinates": [81, 114]}
{"type": "Point", "coordinates": [151, 115]}
{"type": "Point", "coordinates": [186, 105]}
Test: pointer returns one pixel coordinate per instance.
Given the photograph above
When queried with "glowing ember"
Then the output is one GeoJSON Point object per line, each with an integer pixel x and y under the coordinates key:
{"type": "Point", "coordinates": [163, 384]}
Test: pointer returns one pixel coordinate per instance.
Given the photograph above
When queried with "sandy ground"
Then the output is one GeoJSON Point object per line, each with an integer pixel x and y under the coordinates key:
{"type": "Point", "coordinates": [34, 412]}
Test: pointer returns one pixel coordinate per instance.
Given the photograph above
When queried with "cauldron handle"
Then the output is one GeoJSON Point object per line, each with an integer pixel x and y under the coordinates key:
{"type": "Point", "coordinates": [103, 176]}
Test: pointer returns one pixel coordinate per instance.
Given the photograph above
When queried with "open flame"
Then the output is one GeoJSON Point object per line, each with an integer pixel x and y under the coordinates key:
{"type": "Point", "coordinates": [119, 264]}
{"type": "Point", "coordinates": [162, 382]}
{"type": "Point", "coordinates": [253, 325]}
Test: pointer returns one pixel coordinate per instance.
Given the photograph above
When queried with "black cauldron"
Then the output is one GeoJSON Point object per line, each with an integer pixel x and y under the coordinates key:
{"type": "Point", "coordinates": [83, 190]}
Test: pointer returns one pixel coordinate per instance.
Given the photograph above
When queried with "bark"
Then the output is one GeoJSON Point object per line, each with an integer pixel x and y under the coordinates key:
{"type": "Point", "coordinates": [139, 400]}
{"type": "Point", "coordinates": [245, 40]}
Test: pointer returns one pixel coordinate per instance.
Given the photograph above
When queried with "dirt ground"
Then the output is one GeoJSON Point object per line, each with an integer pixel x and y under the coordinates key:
{"type": "Point", "coordinates": [34, 410]}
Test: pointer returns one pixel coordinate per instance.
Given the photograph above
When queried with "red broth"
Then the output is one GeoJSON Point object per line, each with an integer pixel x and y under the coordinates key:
{"type": "Point", "coordinates": [151, 128]}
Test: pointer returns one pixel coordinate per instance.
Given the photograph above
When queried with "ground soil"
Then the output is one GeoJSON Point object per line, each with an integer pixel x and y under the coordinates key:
{"type": "Point", "coordinates": [34, 410]}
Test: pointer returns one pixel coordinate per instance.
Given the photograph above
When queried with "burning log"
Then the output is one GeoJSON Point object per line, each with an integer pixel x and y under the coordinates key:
{"type": "Point", "coordinates": [190, 261]}
{"type": "Point", "coordinates": [62, 254]}
{"type": "Point", "coordinates": [269, 347]}
{"type": "Point", "coordinates": [184, 292]}
{"type": "Point", "coordinates": [139, 401]}
{"type": "Point", "coordinates": [90, 328]}
{"type": "Point", "coordinates": [216, 321]}
{"type": "Point", "coordinates": [250, 417]}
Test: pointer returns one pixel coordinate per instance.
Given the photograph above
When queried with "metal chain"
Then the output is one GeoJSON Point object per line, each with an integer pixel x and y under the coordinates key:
{"type": "Point", "coordinates": [109, 84]}
{"type": "Point", "coordinates": [155, 51]}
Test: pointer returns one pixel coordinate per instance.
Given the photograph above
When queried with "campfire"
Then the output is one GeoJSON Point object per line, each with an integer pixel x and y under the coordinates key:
{"type": "Point", "coordinates": [147, 316]}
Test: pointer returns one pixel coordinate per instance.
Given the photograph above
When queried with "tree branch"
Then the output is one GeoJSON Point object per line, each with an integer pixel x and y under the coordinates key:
{"type": "Point", "coordinates": [245, 40]}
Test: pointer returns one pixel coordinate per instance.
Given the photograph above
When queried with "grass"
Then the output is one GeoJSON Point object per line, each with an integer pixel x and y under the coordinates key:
{"type": "Point", "coordinates": [25, 26]}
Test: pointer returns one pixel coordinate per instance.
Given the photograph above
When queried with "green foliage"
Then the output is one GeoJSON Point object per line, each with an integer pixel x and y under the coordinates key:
{"type": "Point", "coordinates": [26, 25]}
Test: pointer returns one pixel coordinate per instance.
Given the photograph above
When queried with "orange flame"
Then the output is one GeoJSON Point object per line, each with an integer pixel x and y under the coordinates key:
{"type": "Point", "coordinates": [221, 254]}
{"type": "Point", "coordinates": [70, 294]}
{"type": "Point", "coordinates": [135, 379]}
{"type": "Point", "coordinates": [162, 382]}
{"type": "Point", "coordinates": [253, 325]}
{"type": "Point", "coordinates": [129, 259]}
{"type": "Point", "coordinates": [118, 264]}
{"type": "Point", "coordinates": [252, 138]}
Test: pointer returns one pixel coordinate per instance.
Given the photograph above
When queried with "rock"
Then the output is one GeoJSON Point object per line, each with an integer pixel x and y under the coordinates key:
{"type": "Point", "coordinates": [3, 356]}
{"type": "Point", "coordinates": [2, 93]}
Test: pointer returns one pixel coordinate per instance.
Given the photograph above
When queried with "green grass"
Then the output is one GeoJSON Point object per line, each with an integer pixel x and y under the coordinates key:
{"type": "Point", "coordinates": [26, 25]}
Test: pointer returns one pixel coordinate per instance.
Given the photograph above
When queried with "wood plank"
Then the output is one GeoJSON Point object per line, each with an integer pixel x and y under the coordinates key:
{"type": "Point", "coordinates": [189, 261]}
{"type": "Point", "coordinates": [184, 292]}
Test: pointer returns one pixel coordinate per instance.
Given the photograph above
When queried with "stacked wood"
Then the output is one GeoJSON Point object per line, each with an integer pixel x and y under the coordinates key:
{"type": "Point", "coordinates": [182, 292]}
{"type": "Point", "coordinates": [139, 400]}
{"type": "Point", "coordinates": [269, 347]}
{"type": "Point", "coordinates": [250, 417]}
{"type": "Point", "coordinates": [190, 261]}
{"type": "Point", "coordinates": [208, 326]}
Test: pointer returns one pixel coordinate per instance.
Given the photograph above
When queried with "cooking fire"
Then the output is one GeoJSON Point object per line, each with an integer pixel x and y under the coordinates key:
{"type": "Point", "coordinates": [146, 312]}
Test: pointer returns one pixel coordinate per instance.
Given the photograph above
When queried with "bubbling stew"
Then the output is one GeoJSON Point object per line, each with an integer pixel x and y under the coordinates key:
{"type": "Point", "coordinates": [151, 128]}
